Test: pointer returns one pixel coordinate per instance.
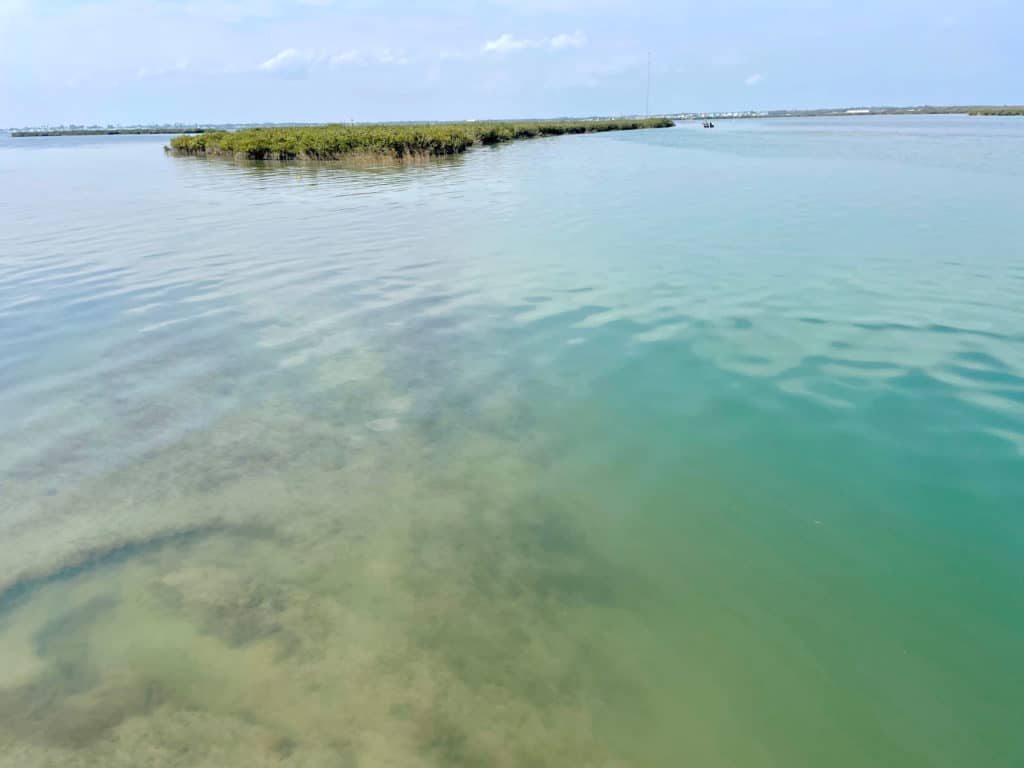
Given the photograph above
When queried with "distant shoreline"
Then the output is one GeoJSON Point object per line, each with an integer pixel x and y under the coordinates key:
{"type": "Point", "coordinates": [151, 131]}
{"type": "Point", "coordinates": [975, 110]}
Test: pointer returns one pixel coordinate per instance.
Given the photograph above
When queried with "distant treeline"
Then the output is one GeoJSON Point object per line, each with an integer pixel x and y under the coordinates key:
{"type": "Point", "coordinates": [333, 142]}
{"type": "Point", "coordinates": [105, 131]}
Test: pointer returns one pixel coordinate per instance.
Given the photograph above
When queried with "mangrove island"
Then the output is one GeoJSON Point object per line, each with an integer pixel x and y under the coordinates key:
{"type": "Point", "coordinates": [334, 142]}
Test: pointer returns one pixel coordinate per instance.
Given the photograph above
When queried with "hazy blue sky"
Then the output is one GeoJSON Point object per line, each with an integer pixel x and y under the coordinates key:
{"type": "Point", "coordinates": [305, 60]}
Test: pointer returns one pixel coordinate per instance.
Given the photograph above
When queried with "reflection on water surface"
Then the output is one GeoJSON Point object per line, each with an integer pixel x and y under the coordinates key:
{"type": "Point", "coordinates": [544, 455]}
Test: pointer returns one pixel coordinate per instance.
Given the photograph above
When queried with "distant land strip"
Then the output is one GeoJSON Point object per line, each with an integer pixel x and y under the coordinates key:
{"type": "Point", "coordinates": [1001, 111]}
{"type": "Point", "coordinates": [155, 130]}
{"type": "Point", "coordinates": [334, 142]}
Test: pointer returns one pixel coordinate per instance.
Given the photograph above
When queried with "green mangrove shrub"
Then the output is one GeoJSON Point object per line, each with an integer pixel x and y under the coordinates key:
{"type": "Point", "coordinates": [327, 142]}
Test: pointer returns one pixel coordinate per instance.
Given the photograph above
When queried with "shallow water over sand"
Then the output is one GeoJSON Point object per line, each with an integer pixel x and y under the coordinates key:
{"type": "Point", "coordinates": [675, 447]}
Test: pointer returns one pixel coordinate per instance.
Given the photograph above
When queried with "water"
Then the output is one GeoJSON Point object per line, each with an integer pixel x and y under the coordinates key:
{"type": "Point", "coordinates": [674, 447]}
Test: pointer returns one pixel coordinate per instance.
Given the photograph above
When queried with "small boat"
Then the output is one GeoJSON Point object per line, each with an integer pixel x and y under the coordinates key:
{"type": "Point", "coordinates": [708, 124]}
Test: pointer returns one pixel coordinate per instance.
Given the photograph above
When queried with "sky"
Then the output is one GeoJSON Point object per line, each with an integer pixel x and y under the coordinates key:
{"type": "Point", "coordinates": [230, 61]}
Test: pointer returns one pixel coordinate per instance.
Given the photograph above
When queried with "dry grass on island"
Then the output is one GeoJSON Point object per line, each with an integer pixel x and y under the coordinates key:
{"type": "Point", "coordinates": [334, 142]}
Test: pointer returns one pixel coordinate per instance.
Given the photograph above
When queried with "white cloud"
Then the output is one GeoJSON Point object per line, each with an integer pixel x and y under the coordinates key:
{"type": "Point", "coordinates": [507, 44]}
{"type": "Point", "coordinates": [295, 63]}
{"type": "Point", "coordinates": [577, 39]}
{"type": "Point", "coordinates": [289, 63]}
{"type": "Point", "coordinates": [754, 79]}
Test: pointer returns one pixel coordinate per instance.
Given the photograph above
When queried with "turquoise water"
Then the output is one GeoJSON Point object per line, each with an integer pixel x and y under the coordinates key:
{"type": "Point", "coordinates": [665, 448]}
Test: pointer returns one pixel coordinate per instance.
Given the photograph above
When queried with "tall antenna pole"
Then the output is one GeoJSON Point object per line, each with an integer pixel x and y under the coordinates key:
{"type": "Point", "coordinates": [647, 103]}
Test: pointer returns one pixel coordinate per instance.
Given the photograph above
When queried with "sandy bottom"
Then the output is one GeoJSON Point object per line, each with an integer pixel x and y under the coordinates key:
{"type": "Point", "coordinates": [289, 589]}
